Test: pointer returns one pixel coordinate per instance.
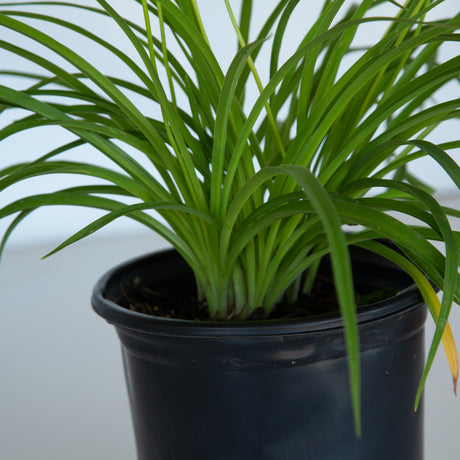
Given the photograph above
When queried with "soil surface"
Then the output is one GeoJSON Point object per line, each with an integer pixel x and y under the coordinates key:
{"type": "Point", "coordinates": [182, 303]}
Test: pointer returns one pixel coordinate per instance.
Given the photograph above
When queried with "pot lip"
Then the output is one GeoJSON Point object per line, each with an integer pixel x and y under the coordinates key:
{"type": "Point", "coordinates": [407, 299]}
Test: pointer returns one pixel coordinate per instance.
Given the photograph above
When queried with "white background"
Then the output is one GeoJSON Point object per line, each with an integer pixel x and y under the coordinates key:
{"type": "Point", "coordinates": [58, 222]}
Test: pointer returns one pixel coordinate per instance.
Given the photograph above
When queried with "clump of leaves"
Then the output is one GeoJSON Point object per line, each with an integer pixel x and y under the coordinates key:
{"type": "Point", "coordinates": [253, 196]}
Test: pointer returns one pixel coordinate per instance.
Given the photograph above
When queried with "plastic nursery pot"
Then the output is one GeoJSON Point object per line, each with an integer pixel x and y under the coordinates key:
{"type": "Point", "coordinates": [268, 390]}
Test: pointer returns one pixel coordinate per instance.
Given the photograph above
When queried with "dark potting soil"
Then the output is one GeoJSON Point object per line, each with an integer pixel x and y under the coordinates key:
{"type": "Point", "coordinates": [182, 303]}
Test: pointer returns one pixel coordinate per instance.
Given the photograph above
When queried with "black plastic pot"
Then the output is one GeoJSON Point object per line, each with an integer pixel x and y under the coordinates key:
{"type": "Point", "coordinates": [268, 390]}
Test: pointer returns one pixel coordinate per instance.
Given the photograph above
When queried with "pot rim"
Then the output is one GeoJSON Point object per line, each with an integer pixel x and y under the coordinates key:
{"type": "Point", "coordinates": [408, 298]}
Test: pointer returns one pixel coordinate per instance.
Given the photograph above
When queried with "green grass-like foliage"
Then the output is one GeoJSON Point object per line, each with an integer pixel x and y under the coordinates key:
{"type": "Point", "coordinates": [252, 195]}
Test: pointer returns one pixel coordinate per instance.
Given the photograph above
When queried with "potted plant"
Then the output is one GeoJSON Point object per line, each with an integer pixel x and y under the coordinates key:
{"type": "Point", "coordinates": [234, 344]}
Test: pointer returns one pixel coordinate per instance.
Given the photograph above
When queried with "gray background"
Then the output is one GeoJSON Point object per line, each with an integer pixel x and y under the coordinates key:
{"type": "Point", "coordinates": [62, 386]}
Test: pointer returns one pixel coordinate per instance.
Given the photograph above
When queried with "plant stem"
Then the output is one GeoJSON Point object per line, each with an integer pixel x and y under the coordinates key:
{"type": "Point", "coordinates": [148, 29]}
{"type": "Point", "coordinates": [260, 86]}
{"type": "Point", "coordinates": [165, 53]}
{"type": "Point", "coordinates": [199, 21]}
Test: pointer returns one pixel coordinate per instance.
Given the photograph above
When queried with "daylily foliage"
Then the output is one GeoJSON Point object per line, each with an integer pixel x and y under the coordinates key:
{"type": "Point", "coordinates": [252, 195]}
